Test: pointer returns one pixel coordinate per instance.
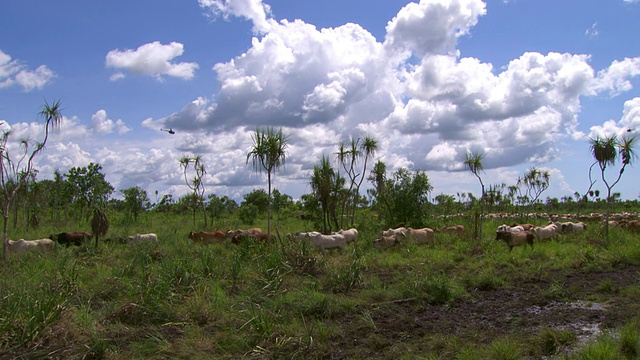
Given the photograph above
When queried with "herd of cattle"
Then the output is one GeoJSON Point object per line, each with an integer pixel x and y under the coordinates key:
{"type": "Point", "coordinates": [513, 235]}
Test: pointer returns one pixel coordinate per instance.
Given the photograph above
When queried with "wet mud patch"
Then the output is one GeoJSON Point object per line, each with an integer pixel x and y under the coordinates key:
{"type": "Point", "coordinates": [583, 302]}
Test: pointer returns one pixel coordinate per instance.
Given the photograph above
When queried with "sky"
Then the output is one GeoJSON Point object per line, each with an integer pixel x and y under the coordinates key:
{"type": "Point", "coordinates": [527, 83]}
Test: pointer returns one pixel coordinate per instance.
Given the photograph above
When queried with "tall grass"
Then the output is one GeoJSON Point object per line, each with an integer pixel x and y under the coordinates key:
{"type": "Point", "coordinates": [286, 299]}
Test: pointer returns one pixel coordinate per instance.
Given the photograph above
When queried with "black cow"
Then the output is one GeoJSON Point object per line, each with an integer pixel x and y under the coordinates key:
{"type": "Point", "coordinates": [71, 238]}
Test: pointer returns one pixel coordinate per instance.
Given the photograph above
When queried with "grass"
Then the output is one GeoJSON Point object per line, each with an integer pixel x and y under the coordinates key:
{"type": "Point", "coordinates": [287, 300]}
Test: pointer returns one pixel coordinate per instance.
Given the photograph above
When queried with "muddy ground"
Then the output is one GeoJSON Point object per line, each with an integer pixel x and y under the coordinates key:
{"type": "Point", "coordinates": [584, 302]}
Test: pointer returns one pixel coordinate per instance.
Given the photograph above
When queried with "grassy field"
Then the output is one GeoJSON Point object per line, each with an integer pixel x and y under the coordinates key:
{"type": "Point", "coordinates": [575, 297]}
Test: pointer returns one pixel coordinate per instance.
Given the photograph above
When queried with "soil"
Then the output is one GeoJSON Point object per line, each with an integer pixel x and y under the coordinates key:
{"type": "Point", "coordinates": [559, 301]}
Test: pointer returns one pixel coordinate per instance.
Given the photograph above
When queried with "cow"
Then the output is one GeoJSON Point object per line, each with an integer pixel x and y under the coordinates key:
{"type": "Point", "coordinates": [143, 238]}
{"type": "Point", "coordinates": [515, 238]}
{"type": "Point", "coordinates": [391, 232]}
{"type": "Point", "coordinates": [21, 245]}
{"type": "Point", "coordinates": [547, 232]}
{"type": "Point", "coordinates": [239, 232]}
{"type": "Point", "coordinates": [512, 229]}
{"type": "Point", "coordinates": [631, 225]}
{"type": "Point", "coordinates": [457, 230]}
{"type": "Point", "coordinates": [386, 241]}
{"type": "Point", "coordinates": [419, 236]}
{"type": "Point", "coordinates": [208, 237]}
{"type": "Point", "coordinates": [350, 235]}
{"type": "Point", "coordinates": [525, 226]}
{"type": "Point", "coordinates": [236, 239]}
{"type": "Point", "coordinates": [71, 238]}
{"type": "Point", "coordinates": [326, 242]}
{"type": "Point", "coordinates": [572, 228]}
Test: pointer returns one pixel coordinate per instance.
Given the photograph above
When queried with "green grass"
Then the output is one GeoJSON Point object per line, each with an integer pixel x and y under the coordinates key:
{"type": "Point", "coordinates": [287, 300]}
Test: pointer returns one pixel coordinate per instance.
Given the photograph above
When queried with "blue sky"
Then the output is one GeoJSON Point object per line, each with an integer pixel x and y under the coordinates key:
{"type": "Point", "coordinates": [526, 82]}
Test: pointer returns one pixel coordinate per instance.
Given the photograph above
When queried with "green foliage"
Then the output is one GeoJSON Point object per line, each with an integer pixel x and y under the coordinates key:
{"type": "Point", "coordinates": [327, 185]}
{"type": "Point", "coordinates": [404, 198]}
{"type": "Point", "coordinates": [258, 198]}
{"type": "Point", "coordinates": [136, 200]}
{"type": "Point", "coordinates": [248, 213]}
{"type": "Point", "coordinates": [87, 187]}
{"type": "Point", "coordinates": [433, 289]}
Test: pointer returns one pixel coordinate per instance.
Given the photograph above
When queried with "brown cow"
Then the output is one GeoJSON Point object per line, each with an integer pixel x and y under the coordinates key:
{"type": "Point", "coordinates": [457, 230]}
{"type": "Point", "coordinates": [525, 226]}
{"type": "Point", "coordinates": [207, 237]}
{"type": "Point", "coordinates": [631, 225]}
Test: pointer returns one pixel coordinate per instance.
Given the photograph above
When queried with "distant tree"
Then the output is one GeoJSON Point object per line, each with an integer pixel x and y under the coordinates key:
{"type": "Point", "coordinates": [406, 196]}
{"type": "Point", "coordinates": [220, 206]}
{"type": "Point", "coordinates": [248, 213]}
{"type": "Point", "coordinates": [136, 201]}
{"type": "Point", "coordinates": [348, 157]}
{"type": "Point", "coordinates": [280, 201]}
{"type": "Point", "coordinates": [88, 187]}
{"type": "Point", "coordinates": [606, 150]}
{"type": "Point", "coordinates": [534, 182]}
{"type": "Point", "coordinates": [14, 171]}
{"type": "Point", "coordinates": [259, 198]}
{"type": "Point", "coordinates": [378, 178]}
{"type": "Point", "coordinates": [446, 203]}
{"type": "Point", "coordinates": [326, 184]}
{"type": "Point", "coordinates": [268, 153]}
{"type": "Point", "coordinates": [165, 204]}
{"type": "Point", "coordinates": [473, 163]}
{"type": "Point", "coordinates": [196, 183]}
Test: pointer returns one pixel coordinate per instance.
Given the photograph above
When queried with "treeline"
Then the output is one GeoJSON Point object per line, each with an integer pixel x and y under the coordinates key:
{"type": "Point", "coordinates": [401, 197]}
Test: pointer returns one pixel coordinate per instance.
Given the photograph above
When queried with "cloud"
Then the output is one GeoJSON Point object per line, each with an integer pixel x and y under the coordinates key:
{"type": "Point", "coordinates": [433, 27]}
{"type": "Point", "coordinates": [102, 125]}
{"type": "Point", "coordinates": [254, 10]}
{"type": "Point", "coordinates": [629, 122]}
{"type": "Point", "coordinates": [152, 59]}
{"type": "Point", "coordinates": [426, 104]}
{"type": "Point", "coordinates": [615, 78]}
{"type": "Point", "coordinates": [13, 72]}
{"type": "Point", "coordinates": [592, 32]}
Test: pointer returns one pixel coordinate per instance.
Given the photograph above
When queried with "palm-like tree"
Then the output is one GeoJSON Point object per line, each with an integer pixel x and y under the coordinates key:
{"type": "Point", "coordinates": [368, 149]}
{"type": "Point", "coordinates": [196, 184]}
{"type": "Point", "coordinates": [268, 153]}
{"type": "Point", "coordinates": [473, 163]}
{"type": "Point", "coordinates": [605, 150]}
{"type": "Point", "coordinates": [323, 184]}
{"type": "Point", "coordinates": [13, 174]}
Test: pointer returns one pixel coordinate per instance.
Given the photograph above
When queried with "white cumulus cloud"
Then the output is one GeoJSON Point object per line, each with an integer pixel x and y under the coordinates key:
{"type": "Point", "coordinates": [13, 72]}
{"type": "Point", "coordinates": [154, 59]}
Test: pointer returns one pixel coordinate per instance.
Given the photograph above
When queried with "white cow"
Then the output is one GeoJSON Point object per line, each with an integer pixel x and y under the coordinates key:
{"type": "Point", "coordinates": [350, 235]}
{"type": "Point", "coordinates": [511, 229]}
{"type": "Point", "coordinates": [386, 241]}
{"type": "Point", "coordinates": [419, 236]}
{"type": "Point", "coordinates": [326, 242]}
{"type": "Point", "coordinates": [573, 228]}
{"type": "Point", "coordinates": [392, 232]}
{"type": "Point", "coordinates": [143, 238]}
{"type": "Point", "coordinates": [21, 245]}
{"type": "Point", "coordinates": [547, 232]}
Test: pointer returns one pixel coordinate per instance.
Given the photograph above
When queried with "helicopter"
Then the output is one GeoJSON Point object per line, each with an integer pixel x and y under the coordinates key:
{"type": "Point", "coordinates": [170, 131]}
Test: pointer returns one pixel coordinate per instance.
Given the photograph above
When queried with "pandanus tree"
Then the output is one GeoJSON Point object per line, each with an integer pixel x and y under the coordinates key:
{"type": "Point", "coordinates": [606, 151]}
{"type": "Point", "coordinates": [14, 171]}
{"type": "Point", "coordinates": [534, 182]}
{"type": "Point", "coordinates": [325, 183]}
{"type": "Point", "coordinates": [348, 158]}
{"type": "Point", "coordinates": [268, 153]}
{"type": "Point", "coordinates": [196, 184]}
{"type": "Point", "coordinates": [473, 163]}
